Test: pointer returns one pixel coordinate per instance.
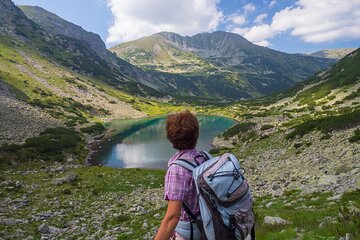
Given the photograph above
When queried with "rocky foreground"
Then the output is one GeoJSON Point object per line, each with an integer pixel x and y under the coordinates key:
{"type": "Point", "coordinates": [312, 163]}
{"type": "Point", "coordinates": [47, 201]}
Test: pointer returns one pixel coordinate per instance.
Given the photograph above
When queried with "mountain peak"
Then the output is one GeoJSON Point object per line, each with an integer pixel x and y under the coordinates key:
{"type": "Point", "coordinates": [13, 20]}
{"type": "Point", "coordinates": [56, 25]}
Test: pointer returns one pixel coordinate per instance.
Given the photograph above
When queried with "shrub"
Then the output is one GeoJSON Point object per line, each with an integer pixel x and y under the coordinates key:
{"type": "Point", "coordinates": [238, 128]}
{"type": "Point", "coordinates": [67, 191]}
{"type": "Point", "coordinates": [94, 129]}
{"type": "Point", "coordinates": [298, 145]}
{"type": "Point", "coordinates": [326, 136]}
{"type": "Point", "coordinates": [350, 219]}
{"type": "Point", "coordinates": [356, 136]}
{"type": "Point", "coordinates": [214, 151]}
{"type": "Point", "coordinates": [10, 147]}
{"type": "Point", "coordinates": [327, 124]}
{"type": "Point", "coordinates": [54, 140]}
{"type": "Point", "coordinates": [267, 127]}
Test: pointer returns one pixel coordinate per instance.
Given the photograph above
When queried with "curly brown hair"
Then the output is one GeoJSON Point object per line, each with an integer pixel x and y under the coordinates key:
{"type": "Point", "coordinates": [182, 130]}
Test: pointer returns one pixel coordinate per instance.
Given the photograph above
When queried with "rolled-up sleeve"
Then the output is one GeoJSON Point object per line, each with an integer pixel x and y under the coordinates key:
{"type": "Point", "coordinates": [176, 183]}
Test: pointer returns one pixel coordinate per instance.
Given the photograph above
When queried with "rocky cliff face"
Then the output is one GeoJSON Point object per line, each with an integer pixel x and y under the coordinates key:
{"type": "Point", "coordinates": [13, 20]}
{"type": "Point", "coordinates": [52, 23]}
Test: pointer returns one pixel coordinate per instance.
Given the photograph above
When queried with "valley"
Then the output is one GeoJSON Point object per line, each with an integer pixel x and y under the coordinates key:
{"type": "Point", "coordinates": [297, 130]}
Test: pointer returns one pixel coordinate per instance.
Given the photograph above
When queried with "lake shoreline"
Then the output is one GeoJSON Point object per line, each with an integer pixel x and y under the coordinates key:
{"type": "Point", "coordinates": [115, 133]}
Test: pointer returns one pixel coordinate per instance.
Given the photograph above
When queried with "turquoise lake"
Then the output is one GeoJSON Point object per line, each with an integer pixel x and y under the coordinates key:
{"type": "Point", "coordinates": [142, 143]}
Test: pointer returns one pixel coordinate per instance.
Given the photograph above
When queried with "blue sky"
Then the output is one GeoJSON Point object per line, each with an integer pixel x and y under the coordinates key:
{"type": "Point", "coordinates": [285, 25]}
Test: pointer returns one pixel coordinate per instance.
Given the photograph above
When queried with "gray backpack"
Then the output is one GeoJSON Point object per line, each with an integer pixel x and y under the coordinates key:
{"type": "Point", "coordinates": [226, 204]}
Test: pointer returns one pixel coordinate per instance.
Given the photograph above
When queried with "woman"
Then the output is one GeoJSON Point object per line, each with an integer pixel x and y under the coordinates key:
{"type": "Point", "coordinates": [182, 130]}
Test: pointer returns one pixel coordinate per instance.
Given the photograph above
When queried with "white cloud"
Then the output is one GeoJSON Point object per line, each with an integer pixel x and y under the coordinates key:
{"type": "Point", "coordinates": [249, 8]}
{"type": "Point", "coordinates": [259, 33]}
{"type": "Point", "coordinates": [237, 19]}
{"type": "Point", "coordinates": [138, 18]}
{"type": "Point", "coordinates": [240, 31]}
{"type": "Point", "coordinates": [313, 21]}
{"type": "Point", "coordinates": [272, 3]}
{"type": "Point", "coordinates": [260, 18]}
{"type": "Point", "coordinates": [263, 43]}
{"type": "Point", "coordinates": [321, 20]}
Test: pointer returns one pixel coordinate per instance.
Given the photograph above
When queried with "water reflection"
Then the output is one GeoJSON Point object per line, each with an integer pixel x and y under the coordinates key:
{"type": "Point", "coordinates": [143, 143]}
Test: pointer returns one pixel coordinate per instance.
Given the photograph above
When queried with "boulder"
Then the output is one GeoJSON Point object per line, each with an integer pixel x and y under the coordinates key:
{"type": "Point", "coordinates": [43, 228]}
{"type": "Point", "coordinates": [305, 190]}
{"type": "Point", "coordinates": [328, 180]}
{"type": "Point", "coordinates": [71, 177]}
{"type": "Point", "coordinates": [275, 221]}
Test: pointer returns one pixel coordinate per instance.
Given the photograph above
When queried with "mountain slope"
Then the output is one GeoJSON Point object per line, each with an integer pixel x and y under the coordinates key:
{"type": "Point", "coordinates": [158, 84]}
{"type": "Point", "coordinates": [258, 70]}
{"type": "Point", "coordinates": [55, 80]}
{"type": "Point", "coordinates": [156, 53]}
{"type": "Point", "coordinates": [333, 53]}
{"type": "Point", "coordinates": [336, 88]}
{"type": "Point", "coordinates": [53, 24]}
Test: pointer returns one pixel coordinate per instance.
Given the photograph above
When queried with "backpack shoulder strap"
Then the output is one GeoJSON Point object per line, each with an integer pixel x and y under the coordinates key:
{"type": "Point", "coordinates": [206, 155]}
{"type": "Point", "coordinates": [191, 165]}
{"type": "Point", "coordinates": [185, 164]}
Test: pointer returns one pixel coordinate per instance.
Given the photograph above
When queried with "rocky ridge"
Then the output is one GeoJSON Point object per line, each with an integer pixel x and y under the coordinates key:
{"type": "Point", "coordinates": [333, 53]}
{"type": "Point", "coordinates": [255, 69]}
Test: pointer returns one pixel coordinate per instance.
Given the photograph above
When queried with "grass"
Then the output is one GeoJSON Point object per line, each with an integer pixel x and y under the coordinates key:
{"type": "Point", "coordinates": [306, 213]}
{"type": "Point", "coordinates": [355, 137]}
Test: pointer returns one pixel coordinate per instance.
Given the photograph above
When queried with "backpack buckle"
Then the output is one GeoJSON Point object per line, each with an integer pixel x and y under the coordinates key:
{"type": "Point", "coordinates": [211, 177]}
{"type": "Point", "coordinates": [237, 174]}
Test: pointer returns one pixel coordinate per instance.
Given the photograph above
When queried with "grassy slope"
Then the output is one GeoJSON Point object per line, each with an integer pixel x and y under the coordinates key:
{"type": "Point", "coordinates": [154, 53]}
{"type": "Point", "coordinates": [21, 67]}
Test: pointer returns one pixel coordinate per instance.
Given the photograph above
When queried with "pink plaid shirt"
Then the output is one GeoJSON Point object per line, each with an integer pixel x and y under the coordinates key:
{"type": "Point", "coordinates": [179, 184]}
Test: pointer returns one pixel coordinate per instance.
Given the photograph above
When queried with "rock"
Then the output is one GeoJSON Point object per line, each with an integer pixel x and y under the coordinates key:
{"type": "Point", "coordinates": [357, 184]}
{"type": "Point", "coordinates": [9, 221]}
{"type": "Point", "coordinates": [334, 198]}
{"type": "Point", "coordinates": [71, 177]}
{"type": "Point", "coordinates": [156, 215]}
{"type": "Point", "coordinates": [43, 228]}
{"type": "Point", "coordinates": [278, 193]}
{"type": "Point", "coordinates": [269, 204]}
{"type": "Point", "coordinates": [54, 230]}
{"type": "Point", "coordinates": [275, 220]}
{"type": "Point", "coordinates": [328, 180]}
{"type": "Point", "coordinates": [275, 186]}
{"type": "Point", "coordinates": [305, 190]}
{"type": "Point", "coordinates": [348, 236]}
{"type": "Point", "coordinates": [60, 169]}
